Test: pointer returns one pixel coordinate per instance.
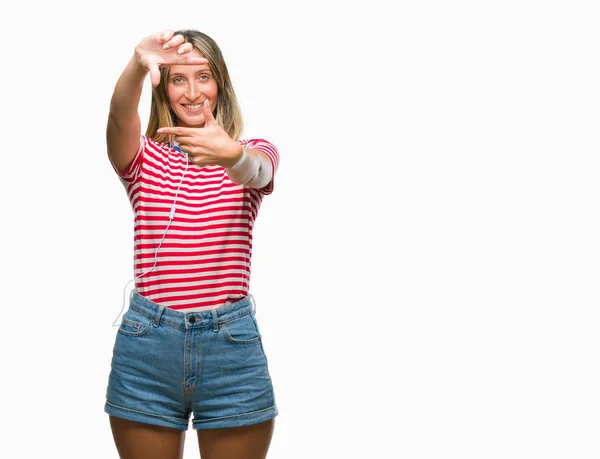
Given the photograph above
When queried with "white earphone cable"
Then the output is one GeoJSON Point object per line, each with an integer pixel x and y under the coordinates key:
{"type": "Point", "coordinates": [116, 323]}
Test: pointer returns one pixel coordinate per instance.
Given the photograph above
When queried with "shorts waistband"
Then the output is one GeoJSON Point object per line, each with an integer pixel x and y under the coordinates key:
{"type": "Point", "coordinates": [186, 320]}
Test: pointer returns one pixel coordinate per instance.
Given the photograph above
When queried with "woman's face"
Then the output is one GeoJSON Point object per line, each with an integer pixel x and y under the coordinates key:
{"type": "Point", "coordinates": [187, 88]}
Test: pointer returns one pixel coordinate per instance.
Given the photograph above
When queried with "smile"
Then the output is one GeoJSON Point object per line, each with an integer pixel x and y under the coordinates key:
{"type": "Point", "coordinates": [194, 107]}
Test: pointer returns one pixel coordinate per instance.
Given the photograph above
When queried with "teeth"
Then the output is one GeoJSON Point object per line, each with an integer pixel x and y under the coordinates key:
{"type": "Point", "coordinates": [193, 107]}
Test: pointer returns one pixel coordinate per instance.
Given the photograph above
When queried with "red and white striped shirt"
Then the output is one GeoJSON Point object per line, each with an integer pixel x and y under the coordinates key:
{"type": "Point", "coordinates": [204, 260]}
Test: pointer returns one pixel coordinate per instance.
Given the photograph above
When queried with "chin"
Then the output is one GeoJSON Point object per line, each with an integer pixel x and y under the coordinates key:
{"type": "Point", "coordinates": [192, 121]}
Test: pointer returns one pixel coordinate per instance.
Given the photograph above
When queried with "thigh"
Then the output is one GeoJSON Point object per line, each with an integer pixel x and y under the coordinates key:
{"type": "Point", "coordinates": [136, 440]}
{"type": "Point", "coordinates": [247, 442]}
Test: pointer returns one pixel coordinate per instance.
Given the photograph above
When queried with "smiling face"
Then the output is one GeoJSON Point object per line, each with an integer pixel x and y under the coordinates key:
{"type": "Point", "coordinates": [187, 88]}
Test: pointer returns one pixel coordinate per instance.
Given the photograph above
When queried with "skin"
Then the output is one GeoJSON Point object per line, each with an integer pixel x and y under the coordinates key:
{"type": "Point", "coordinates": [136, 440]}
{"type": "Point", "coordinates": [199, 135]}
{"type": "Point", "coordinates": [124, 127]}
{"type": "Point", "coordinates": [191, 85]}
{"type": "Point", "coordinates": [209, 144]}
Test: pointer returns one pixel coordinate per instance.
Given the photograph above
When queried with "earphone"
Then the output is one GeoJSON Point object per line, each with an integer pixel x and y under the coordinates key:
{"type": "Point", "coordinates": [172, 145]}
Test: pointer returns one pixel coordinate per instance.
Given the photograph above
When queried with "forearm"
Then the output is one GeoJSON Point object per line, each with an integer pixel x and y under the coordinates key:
{"type": "Point", "coordinates": [128, 91]}
{"type": "Point", "coordinates": [124, 126]}
{"type": "Point", "coordinates": [253, 169]}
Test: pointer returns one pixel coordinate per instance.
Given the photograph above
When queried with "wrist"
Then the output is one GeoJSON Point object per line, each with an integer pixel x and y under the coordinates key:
{"type": "Point", "coordinates": [137, 66]}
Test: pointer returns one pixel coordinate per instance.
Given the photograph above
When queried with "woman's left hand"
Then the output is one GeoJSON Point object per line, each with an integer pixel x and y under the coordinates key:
{"type": "Point", "coordinates": [209, 144]}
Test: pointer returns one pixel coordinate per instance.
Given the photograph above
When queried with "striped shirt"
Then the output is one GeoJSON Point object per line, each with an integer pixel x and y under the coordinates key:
{"type": "Point", "coordinates": [204, 260]}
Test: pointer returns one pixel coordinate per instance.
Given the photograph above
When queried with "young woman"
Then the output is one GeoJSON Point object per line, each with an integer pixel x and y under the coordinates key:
{"type": "Point", "coordinates": [189, 341]}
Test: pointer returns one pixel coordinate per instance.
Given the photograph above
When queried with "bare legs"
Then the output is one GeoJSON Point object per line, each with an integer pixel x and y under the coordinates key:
{"type": "Point", "coordinates": [135, 440]}
{"type": "Point", "coordinates": [248, 442]}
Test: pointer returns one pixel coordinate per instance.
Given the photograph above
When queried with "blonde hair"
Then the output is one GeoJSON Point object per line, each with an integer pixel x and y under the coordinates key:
{"type": "Point", "coordinates": [229, 115]}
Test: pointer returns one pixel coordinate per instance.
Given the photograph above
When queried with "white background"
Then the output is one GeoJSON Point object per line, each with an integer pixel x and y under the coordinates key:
{"type": "Point", "coordinates": [426, 271]}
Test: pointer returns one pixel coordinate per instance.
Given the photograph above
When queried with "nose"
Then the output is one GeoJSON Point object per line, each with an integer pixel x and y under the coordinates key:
{"type": "Point", "coordinates": [193, 91]}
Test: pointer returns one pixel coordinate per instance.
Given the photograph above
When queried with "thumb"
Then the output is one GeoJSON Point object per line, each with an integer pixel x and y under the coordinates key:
{"type": "Point", "coordinates": [154, 74]}
{"type": "Point", "coordinates": [208, 115]}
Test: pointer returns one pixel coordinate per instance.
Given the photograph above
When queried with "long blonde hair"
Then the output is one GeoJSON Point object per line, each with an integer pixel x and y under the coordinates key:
{"type": "Point", "coordinates": [229, 115]}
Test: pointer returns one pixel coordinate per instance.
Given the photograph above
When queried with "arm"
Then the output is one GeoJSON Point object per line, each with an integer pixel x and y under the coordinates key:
{"type": "Point", "coordinates": [124, 126]}
{"type": "Point", "coordinates": [254, 169]}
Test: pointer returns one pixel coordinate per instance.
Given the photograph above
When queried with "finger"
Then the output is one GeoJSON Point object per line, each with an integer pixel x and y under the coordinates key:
{"type": "Point", "coordinates": [174, 42]}
{"type": "Point", "coordinates": [199, 160]}
{"type": "Point", "coordinates": [208, 116]}
{"type": "Point", "coordinates": [185, 48]}
{"type": "Point", "coordinates": [176, 130]}
{"type": "Point", "coordinates": [154, 74]}
{"type": "Point", "coordinates": [189, 60]}
{"type": "Point", "coordinates": [193, 154]}
{"type": "Point", "coordinates": [186, 140]}
{"type": "Point", "coordinates": [161, 36]}
{"type": "Point", "coordinates": [185, 149]}
{"type": "Point", "coordinates": [166, 35]}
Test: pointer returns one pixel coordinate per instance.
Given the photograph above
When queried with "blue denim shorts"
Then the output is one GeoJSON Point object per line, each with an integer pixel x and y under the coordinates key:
{"type": "Point", "coordinates": [167, 364]}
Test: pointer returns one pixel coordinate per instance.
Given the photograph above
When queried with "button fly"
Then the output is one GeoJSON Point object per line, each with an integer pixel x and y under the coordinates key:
{"type": "Point", "coordinates": [192, 320]}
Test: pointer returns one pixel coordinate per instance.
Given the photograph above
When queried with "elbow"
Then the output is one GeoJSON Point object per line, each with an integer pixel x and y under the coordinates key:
{"type": "Point", "coordinates": [262, 178]}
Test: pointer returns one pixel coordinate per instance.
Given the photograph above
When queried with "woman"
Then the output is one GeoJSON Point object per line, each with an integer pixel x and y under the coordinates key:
{"type": "Point", "coordinates": [189, 341]}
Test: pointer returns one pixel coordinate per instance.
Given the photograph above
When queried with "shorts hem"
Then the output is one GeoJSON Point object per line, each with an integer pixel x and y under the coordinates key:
{"type": "Point", "coordinates": [238, 420]}
{"type": "Point", "coordinates": [146, 418]}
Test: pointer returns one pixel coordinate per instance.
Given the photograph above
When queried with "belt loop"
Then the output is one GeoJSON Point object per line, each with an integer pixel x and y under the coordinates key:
{"type": "Point", "coordinates": [215, 320]}
{"type": "Point", "coordinates": [156, 320]}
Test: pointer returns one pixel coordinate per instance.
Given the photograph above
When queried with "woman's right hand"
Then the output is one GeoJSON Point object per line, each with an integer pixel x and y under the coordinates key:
{"type": "Point", "coordinates": [163, 49]}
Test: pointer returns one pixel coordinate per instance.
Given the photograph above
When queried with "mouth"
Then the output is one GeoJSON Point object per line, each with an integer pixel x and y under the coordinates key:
{"type": "Point", "coordinates": [192, 108]}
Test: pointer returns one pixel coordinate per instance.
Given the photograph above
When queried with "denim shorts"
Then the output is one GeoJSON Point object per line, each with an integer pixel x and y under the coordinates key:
{"type": "Point", "coordinates": [167, 364]}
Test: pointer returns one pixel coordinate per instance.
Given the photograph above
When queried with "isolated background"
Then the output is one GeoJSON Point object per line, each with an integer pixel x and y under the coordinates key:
{"type": "Point", "coordinates": [426, 270]}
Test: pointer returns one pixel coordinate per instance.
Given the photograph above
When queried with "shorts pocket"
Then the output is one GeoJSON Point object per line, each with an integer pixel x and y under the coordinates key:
{"type": "Point", "coordinates": [241, 330]}
{"type": "Point", "coordinates": [134, 323]}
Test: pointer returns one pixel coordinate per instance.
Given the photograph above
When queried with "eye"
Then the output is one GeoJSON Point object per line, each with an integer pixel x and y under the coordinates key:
{"type": "Point", "coordinates": [177, 80]}
{"type": "Point", "coordinates": [204, 77]}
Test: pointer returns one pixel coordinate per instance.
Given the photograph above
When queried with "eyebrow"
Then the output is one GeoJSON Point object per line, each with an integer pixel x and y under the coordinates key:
{"type": "Point", "coordinates": [206, 70]}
